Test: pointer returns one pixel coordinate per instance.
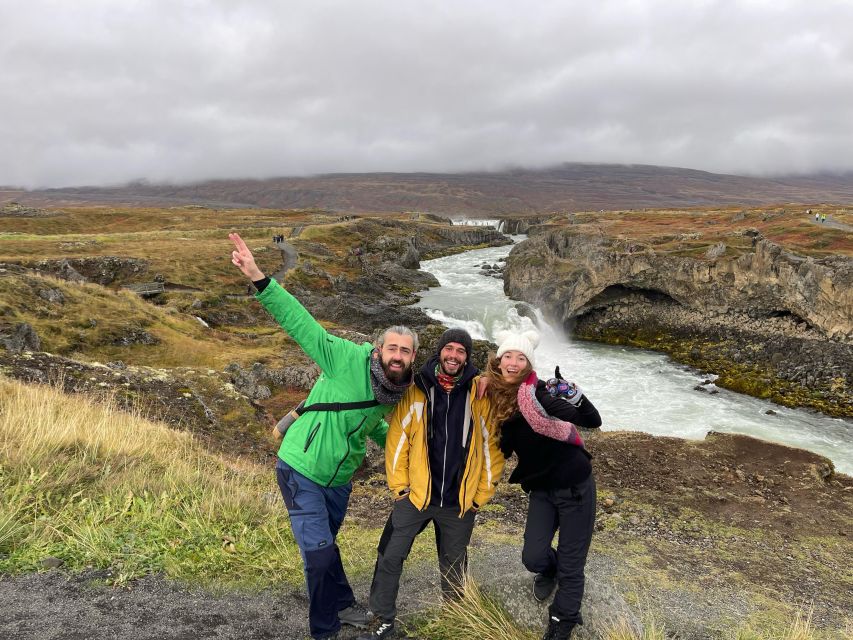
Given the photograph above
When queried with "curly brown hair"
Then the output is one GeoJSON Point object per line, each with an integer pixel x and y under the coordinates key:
{"type": "Point", "coordinates": [503, 395]}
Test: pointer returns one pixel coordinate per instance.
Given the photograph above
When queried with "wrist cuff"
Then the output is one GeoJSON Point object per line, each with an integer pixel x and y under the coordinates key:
{"type": "Point", "coordinates": [261, 284]}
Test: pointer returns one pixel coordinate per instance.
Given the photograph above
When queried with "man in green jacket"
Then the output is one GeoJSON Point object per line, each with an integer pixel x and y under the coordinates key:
{"type": "Point", "coordinates": [357, 387]}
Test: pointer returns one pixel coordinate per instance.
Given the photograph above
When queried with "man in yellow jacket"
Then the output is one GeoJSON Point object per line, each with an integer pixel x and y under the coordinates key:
{"type": "Point", "coordinates": [442, 461]}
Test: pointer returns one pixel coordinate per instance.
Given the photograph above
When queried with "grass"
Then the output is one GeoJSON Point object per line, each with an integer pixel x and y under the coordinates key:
{"type": "Point", "coordinates": [100, 488]}
{"type": "Point", "coordinates": [92, 319]}
{"type": "Point", "coordinates": [475, 614]}
{"type": "Point", "coordinates": [665, 229]}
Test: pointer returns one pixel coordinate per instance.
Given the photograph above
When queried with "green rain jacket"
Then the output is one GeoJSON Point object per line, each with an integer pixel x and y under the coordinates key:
{"type": "Point", "coordinates": [327, 446]}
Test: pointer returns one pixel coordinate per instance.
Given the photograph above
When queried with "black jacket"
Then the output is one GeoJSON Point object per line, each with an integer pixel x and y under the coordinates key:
{"type": "Point", "coordinates": [545, 463]}
{"type": "Point", "coordinates": [445, 421]}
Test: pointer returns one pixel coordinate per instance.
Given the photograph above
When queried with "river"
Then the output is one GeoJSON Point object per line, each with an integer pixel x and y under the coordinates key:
{"type": "Point", "coordinates": [633, 389]}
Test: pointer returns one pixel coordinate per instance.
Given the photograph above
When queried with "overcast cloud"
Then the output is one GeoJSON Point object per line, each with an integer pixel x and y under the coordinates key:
{"type": "Point", "coordinates": [102, 92]}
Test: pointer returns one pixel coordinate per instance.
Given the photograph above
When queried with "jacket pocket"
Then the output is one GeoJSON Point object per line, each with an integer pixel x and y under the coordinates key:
{"type": "Point", "coordinates": [311, 435]}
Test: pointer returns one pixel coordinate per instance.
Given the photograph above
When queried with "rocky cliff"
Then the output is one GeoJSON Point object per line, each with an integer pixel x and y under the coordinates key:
{"type": "Point", "coordinates": [771, 322]}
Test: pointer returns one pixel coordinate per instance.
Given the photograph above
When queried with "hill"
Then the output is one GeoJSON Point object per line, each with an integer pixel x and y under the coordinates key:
{"type": "Point", "coordinates": [568, 187]}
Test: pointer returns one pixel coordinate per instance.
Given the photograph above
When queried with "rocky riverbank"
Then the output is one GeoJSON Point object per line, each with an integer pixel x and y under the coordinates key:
{"type": "Point", "coordinates": [769, 320]}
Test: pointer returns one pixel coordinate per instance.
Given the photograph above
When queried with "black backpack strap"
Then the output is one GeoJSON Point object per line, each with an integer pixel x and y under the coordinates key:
{"type": "Point", "coordinates": [339, 406]}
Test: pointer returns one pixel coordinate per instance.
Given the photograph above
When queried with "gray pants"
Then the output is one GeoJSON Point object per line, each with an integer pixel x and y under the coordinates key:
{"type": "Point", "coordinates": [452, 535]}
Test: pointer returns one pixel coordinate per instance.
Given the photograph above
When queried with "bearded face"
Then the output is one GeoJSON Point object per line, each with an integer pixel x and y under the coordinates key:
{"type": "Point", "coordinates": [397, 355]}
{"type": "Point", "coordinates": [452, 358]}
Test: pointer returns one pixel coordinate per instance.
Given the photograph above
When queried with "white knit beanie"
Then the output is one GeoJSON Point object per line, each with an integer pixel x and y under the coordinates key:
{"type": "Point", "coordinates": [525, 342]}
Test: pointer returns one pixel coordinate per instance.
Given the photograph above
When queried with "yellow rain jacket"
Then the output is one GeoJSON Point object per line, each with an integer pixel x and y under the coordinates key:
{"type": "Point", "coordinates": [407, 458]}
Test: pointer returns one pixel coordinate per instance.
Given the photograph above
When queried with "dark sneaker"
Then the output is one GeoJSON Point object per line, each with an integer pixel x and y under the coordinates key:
{"type": "Point", "coordinates": [543, 586]}
{"type": "Point", "coordinates": [384, 630]}
{"type": "Point", "coordinates": [558, 629]}
{"type": "Point", "coordinates": [355, 617]}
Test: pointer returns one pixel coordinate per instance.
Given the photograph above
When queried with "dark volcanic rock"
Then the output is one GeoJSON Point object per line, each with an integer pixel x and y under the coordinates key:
{"type": "Point", "coordinates": [102, 270]}
{"type": "Point", "coordinates": [20, 337]}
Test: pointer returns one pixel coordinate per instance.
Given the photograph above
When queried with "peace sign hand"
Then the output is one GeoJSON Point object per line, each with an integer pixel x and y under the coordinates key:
{"type": "Point", "coordinates": [243, 258]}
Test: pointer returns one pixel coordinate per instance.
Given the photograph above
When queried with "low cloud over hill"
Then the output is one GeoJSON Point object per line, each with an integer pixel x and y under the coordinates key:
{"type": "Point", "coordinates": [569, 187]}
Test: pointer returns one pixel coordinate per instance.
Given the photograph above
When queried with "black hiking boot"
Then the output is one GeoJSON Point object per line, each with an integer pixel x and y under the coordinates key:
{"type": "Point", "coordinates": [355, 616]}
{"type": "Point", "coordinates": [558, 629]}
{"type": "Point", "coordinates": [384, 630]}
{"type": "Point", "coordinates": [543, 586]}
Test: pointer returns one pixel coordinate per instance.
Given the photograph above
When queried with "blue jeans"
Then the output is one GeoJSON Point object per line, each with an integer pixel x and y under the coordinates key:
{"type": "Point", "coordinates": [316, 514]}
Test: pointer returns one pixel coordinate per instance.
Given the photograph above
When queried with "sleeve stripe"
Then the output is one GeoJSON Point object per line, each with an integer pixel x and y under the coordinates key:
{"type": "Point", "coordinates": [400, 443]}
{"type": "Point", "coordinates": [488, 457]}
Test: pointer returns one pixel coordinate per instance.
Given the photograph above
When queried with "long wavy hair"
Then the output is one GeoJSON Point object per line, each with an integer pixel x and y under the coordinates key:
{"type": "Point", "coordinates": [503, 395]}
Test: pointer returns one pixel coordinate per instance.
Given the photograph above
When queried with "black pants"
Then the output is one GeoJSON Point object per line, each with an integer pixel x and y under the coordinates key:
{"type": "Point", "coordinates": [452, 535]}
{"type": "Point", "coordinates": [572, 511]}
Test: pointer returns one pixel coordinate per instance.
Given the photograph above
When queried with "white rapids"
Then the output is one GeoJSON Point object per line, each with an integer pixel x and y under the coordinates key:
{"type": "Point", "coordinates": [633, 389]}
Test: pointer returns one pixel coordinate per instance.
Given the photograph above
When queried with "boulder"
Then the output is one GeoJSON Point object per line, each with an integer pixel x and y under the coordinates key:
{"type": "Point", "coordinates": [20, 337]}
{"type": "Point", "coordinates": [54, 296]}
{"type": "Point", "coordinates": [502, 576]}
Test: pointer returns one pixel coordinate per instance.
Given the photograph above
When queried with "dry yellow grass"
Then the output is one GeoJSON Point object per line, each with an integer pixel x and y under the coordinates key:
{"type": "Point", "coordinates": [100, 487]}
{"type": "Point", "coordinates": [88, 324]}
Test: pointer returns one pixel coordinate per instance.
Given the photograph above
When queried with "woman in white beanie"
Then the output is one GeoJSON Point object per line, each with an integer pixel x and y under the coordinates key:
{"type": "Point", "coordinates": [538, 423]}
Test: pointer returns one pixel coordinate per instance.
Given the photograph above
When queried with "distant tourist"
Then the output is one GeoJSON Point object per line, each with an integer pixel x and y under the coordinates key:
{"type": "Point", "coordinates": [823, 217]}
{"type": "Point", "coordinates": [325, 444]}
{"type": "Point", "coordinates": [817, 216]}
{"type": "Point", "coordinates": [537, 421]}
{"type": "Point", "coordinates": [442, 463]}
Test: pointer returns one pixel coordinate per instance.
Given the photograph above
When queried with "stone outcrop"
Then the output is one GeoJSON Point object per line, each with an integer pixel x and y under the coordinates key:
{"type": "Point", "coordinates": [790, 315]}
{"type": "Point", "coordinates": [379, 296]}
{"type": "Point", "coordinates": [103, 270]}
{"type": "Point", "coordinates": [463, 235]}
{"type": "Point", "coordinates": [516, 225]}
{"type": "Point", "coordinates": [766, 282]}
{"type": "Point", "coordinates": [16, 210]}
{"type": "Point", "coordinates": [19, 338]}
{"type": "Point", "coordinates": [255, 382]}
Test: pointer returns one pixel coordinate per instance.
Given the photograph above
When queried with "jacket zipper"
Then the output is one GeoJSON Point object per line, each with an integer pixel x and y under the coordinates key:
{"type": "Point", "coordinates": [444, 459]}
{"type": "Point", "coordinates": [428, 411]}
{"type": "Point", "coordinates": [311, 437]}
{"type": "Point", "coordinates": [465, 474]}
{"type": "Point", "coordinates": [467, 469]}
{"type": "Point", "coordinates": [346, 455]}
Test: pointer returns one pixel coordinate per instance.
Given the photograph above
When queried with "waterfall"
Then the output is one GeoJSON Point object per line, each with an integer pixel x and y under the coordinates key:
{"type": "Point", "coordinates": [634, 389]}
{"type": "Point", "coordinates": [475, 222]}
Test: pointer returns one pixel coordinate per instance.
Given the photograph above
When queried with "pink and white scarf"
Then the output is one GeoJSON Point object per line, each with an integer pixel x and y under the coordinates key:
{"type": "Point", "coordinates": [538, 418]}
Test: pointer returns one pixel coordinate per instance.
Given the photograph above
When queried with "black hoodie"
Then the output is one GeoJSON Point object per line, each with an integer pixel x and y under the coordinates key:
{"type": "Point", "coordinates": [446, 414]}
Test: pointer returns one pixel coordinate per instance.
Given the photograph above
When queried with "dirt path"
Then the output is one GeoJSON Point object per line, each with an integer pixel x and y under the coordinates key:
{"type": "Point", "coordinates": [54, 606]}
{"type": "Point", "coordinates": [58, 606]}
{"type": "Point", "coordinates": [289, 256]}
{"type": "Point", "coordinates": [834, 224]}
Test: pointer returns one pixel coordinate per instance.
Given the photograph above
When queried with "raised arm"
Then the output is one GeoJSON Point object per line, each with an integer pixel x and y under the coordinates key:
{"type": "Point", "coordinates": [324, 349]}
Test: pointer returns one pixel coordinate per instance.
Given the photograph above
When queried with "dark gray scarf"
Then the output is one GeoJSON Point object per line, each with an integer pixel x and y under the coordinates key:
{"type": "Point", "coordinates": [385, 391]}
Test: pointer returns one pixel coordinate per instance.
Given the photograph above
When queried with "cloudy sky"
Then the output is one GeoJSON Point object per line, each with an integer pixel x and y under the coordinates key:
{"type": "Point", "coordinates": [103, 92]}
